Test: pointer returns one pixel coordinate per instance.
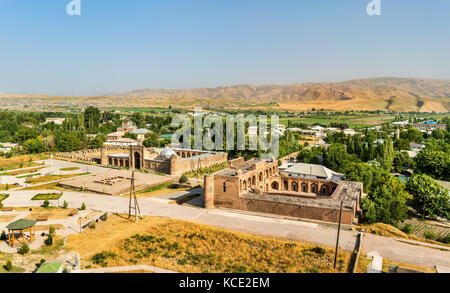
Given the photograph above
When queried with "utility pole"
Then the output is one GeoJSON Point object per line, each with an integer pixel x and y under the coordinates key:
{"type": "Point", "coordinates": [136, 208]}
{"type": "Point", "coordinates": [338, 232]}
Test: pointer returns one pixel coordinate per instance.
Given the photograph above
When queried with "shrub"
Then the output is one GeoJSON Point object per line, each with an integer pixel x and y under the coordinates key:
{"type": "Point", "coordinates": [49, 240]}
{"type": "Point", "coordinates": [3, 237]}
{"type": "Point", "coordinates": [104, 217]}
{"type": "Point", "coordinates": [51, 230]}
{"type": "Point", "coordinates": [444, 239]}
{"type": "Point", "coordinates": [430, 235]}
{"type": "Point", "coordinates": [318, 250]}
{"type": "Point", "coordinates": [100, 258]}
{"type": "Point", "coordinates": [92, 225]}
{"type": "Point", "coordinates": [407, 228]}
{"type": "Point", "coordinates": [65, 205]}
{"type": "Point", "coordinates": [24, 249]}
{"type": "Point", "coordinates": [46, 203]}
{"type": "Point", "coordinates": [8, 267]}
{"type": "Point", "coordinates": [183, 179]}
{"type": "Point", "coordinates": [83, 206]}
{"type": "Point", "coordinates": [6, 186]}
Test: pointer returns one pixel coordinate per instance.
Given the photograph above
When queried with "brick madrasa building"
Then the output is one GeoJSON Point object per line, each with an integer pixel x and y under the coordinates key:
{"type": "Point", "coordinates": [258, 186]}
{"type": "Point", "coordinates": [168, 161]}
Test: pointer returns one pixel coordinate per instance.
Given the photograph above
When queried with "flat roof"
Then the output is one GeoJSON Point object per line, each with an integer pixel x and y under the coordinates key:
{"type": "Point", "coordinates": [347, 190]}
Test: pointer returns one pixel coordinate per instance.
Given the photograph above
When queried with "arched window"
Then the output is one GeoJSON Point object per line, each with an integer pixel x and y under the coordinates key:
{"type": "Point", "coordinates": [314, 188]}
{"type": "Point", "coordinates": [224, 187]}
{"type": "Point", "coordinates": [294, 186]}
{"type": "Point", "coordinates": [285, 185]}
{"type": "Point", "coordinates": [254, 180]}
{"type": "Point", "coordinates": [304, 187]}
{"type": "Point", "coordinates": [260, 176]}
{"type": "Point", "coordinates": [244, 185]}
{"type": "Point", "coordinates": [324, 189]}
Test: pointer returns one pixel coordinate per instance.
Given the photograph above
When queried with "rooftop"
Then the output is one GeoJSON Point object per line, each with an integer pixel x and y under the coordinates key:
{"type": "Point", "coordinates": [49, 267]}
{"type": "Point", "coordinates": [21, 224]}
{"type": "Point", "coordinates": [347, 190]}
{"type": "Point", "coordinates": [309, 169]}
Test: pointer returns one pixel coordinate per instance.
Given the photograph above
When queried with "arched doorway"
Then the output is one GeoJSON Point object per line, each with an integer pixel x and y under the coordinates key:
{"type": "Point", "coordinates": [275, 185]}
{"type": "Point", "coordinates": [137, 161]}
{"type": "Point", "coordinates": [285, 185]}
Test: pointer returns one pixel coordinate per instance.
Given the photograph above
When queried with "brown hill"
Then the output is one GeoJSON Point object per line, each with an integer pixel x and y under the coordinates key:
{"type": "Point", "coordinates": [404, 94]}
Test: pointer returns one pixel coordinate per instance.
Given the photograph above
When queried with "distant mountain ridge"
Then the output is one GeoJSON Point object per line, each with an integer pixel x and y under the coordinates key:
{"type": "Point", "coordinates": [353, 89]}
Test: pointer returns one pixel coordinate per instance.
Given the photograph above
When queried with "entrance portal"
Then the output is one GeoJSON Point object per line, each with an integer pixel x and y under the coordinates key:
{"type": "Point", "coordinates": [137, 161]}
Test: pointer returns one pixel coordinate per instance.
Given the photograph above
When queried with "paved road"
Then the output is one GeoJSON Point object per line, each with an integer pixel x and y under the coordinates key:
{"type": "Point", "coordinates": [261, 225]}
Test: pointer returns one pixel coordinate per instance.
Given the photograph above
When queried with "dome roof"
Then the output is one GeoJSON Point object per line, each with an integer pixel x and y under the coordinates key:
{"type": "Point", "coordinates": [167, 152]}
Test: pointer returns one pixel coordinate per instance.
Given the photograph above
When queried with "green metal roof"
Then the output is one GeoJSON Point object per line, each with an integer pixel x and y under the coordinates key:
{"type": "Point", "coordinates": [49, 267]}
{"type": "Point", "coordinates": [21, 224]}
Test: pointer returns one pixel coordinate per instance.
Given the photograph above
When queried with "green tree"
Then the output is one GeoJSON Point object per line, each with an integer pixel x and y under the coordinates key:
{"type": "Point", "coordinates": [92, 118]}
{"type": "Point", "coordinates": [51, 230]}
{"type": "Point", "coordinates": [46, 203]}
{"type": "Point", "coordinates": [429, 197]}
{"type": "Point", "coordinates": [183, 179]}
{"type": "Point", "coordinates": [138, 119]}
{"type": "Point", "coordinates": [83, 206]}
{"type": "Point", "coordinates": [337, 159]}
{"type": "Point", "coordinates": [24, 134]}
{"type": "Point", "coordinates": [34, 146]}
{"type": "Point", "coordinates": [24, 248]}
{"type": "Point", "coordinates": [49, 240]}
{"type": "Point", "coordinates": [8, 267]}
{"type": "Point", "coordinates": [433, 163]}
{"type": "Point", "coordinates": [387, 203]}
{"type": "Point", "coordinates": [386, 154]}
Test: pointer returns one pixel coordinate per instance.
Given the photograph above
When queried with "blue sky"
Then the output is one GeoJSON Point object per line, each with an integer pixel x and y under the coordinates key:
{"type": "Point", "coordinates": [121, 45]}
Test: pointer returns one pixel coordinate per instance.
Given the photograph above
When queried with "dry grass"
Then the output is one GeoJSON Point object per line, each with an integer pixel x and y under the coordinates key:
{"type": "Point", "coordinates": [47, 227]}
{"type": "Point", "coordinates": [10, 186]}
{"type": "Point", "coordinates": [50, 186]}
{"type": "Point", "coordinates": [20, 172]}
{"type": "Point", "coordinates": [19, 162]}
{"type": "Point", "coordinates": [390, 231]}
{"type": "Point", "coordinates": [7, 218]}
{"type": "Point", "coordinates": [189, 247]}
{"type": "Point", "coordinates": [52, 213]}
{"type": "Point", "coordinates": [134, 272]}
